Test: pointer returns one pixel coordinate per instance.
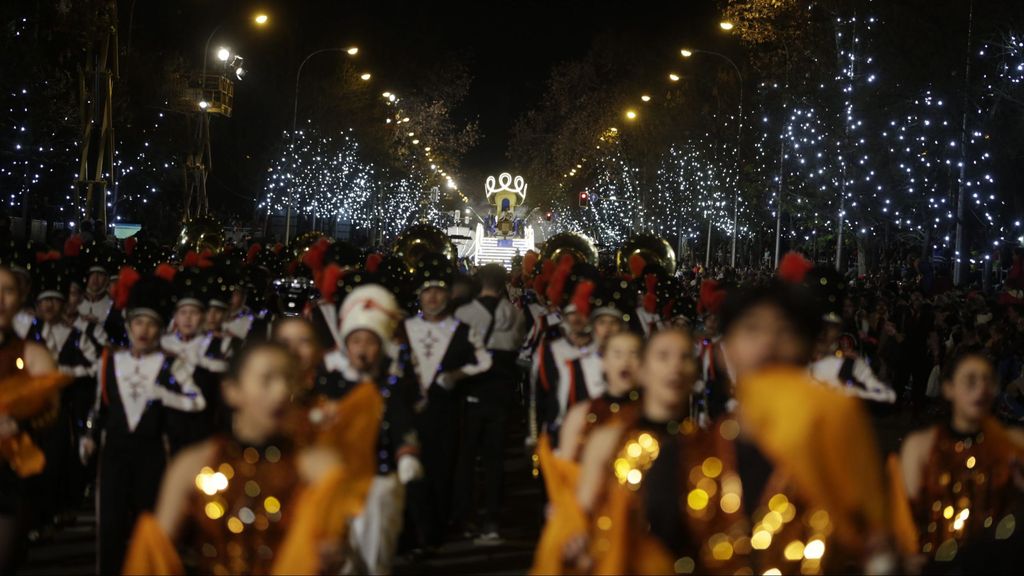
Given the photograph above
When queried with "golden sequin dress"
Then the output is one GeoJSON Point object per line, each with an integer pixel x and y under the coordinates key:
{"type": "Point", "coordinates": [561, 475]}
{"type": "Point", "coordinates": [968, 493]}
{"type": "Point", "coordinates": [821, 492]}
{"type": "Point", "coordinates": [248, 513]}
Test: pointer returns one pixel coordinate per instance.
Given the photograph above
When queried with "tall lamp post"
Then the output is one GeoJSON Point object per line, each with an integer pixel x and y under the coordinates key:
{"type": "Point", "coordinates": [295, 114]}
{"type": "Point", "coordinates": [687, 53]}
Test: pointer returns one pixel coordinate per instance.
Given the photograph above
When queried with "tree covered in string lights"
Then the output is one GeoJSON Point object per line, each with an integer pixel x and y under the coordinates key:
{"type": "Point", "coordinates": [694, 191]}
{"type": "Point", "coordinates": [320, 176]}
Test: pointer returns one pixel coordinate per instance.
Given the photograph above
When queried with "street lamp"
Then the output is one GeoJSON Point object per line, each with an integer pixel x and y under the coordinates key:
{"type": "Point", "coordinates": [223, 54]}
{"type": "Point", "coordinates": [726, 25]}
{"type": "Point", "coordinates": [365, 76]}
{"type": "Point", "coordinates": [688, 52]}
{"type": "Point", "coordinates": [645, 98]}
{"type": "Point", "coordinates": [261, 19]}
{"type": "Point", "coordinates": [351, 51]}
{"type": "Point", "coordinates": [631, 114]}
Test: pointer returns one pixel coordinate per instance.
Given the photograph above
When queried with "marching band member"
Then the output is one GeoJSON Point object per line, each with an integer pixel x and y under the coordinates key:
{"type": "Point", "coordinates": [369, 353]}
{"type": "Point", "coordinates": [569, 369]}
{"type": "Point", "coordinates": [444, 351]}
{"type": "Point", "coordinates": [141, 391]}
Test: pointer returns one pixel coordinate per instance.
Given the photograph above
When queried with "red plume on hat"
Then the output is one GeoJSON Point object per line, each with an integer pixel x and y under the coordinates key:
{"type": "Point", "coordinates": [73, 245]}
{"type": "Point", "coordinates": [254, 251]}
{"type": "Point", "coordinates": [129, 245]}
{"type": "Point", "coordinates": [637, 265]}
{"type": "Point", "coordinates": [650, 296]}
{"type": "Point", "coordinates": [329, 281]}
{"type": "Point", "coordinates": [313, 258]}
{"type": "Point", "coordinates": [711, 297]}
{"type": "Point", "coordinates": [556, 287]}
{"type": "Point", "coordinates": [126, 279]}
{"type": "Point", "coordinates": [794, 267]}
{"type": "Point", "coordinates": [373, 262]}
{"type": "Point", "coordinates": [529, 263]}
{"type": "Point", "coordinates": [165, 271]}
{"type": "Point", "coordinates": [581, 296]}
{"type": "Point", "coordinates": [49, 256]}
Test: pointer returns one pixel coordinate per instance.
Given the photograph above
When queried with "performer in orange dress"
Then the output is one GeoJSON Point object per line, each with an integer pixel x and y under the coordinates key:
{"type": "Point", "coordinates": [29, 398]}
{"type": "Point", "coordinates": [961, 480]}
{"type": "Point", "coordinates": [246, 502]}
{"type": "Point", "coordinates": [621, 363]}
{"type": "Point", "coordinates": [789, 482]}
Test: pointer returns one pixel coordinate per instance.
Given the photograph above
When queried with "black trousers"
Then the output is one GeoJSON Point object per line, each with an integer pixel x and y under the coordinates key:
{"type": "Point", "coordinates": [430, 497]}
{"type": "Point", "coordinates": [486, 406]}
{"type": "Point", "coordinates": [130, 472]}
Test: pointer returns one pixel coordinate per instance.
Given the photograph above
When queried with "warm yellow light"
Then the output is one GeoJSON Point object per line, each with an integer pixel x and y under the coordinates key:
{"type": "Point", "coordinates": [261, 19]}
{"type": "Point", "coordinates": [352, 51]}
{"type": "Point", "coordinates": [686, 53]}
{"type": "Point", "coordinates": [645, 98]}
{"type": "Point", "coordinates": [631, 114]}
{"type": "Point", "coordinates": [386, 94]}
{"type": "Point", "coordinates": [673, 77]}
{"type": "Point", "coordinates": [725, 25]}
{"type": "Point", "coordinates": [365, 76]}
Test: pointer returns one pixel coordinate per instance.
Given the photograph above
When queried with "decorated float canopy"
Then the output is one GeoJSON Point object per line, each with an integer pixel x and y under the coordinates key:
{"type": "Point", "coordinates": [503, 234]}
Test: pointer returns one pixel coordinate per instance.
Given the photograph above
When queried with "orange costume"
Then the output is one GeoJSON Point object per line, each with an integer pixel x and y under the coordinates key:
{"type": "Point", "coordinates": [252, 514]}
{"type": "Point", "coordinates": [800, 491]}
{"type": "Point", "coordinates": [565, 518]}
{"type": "Point", "coordinates": [967, 493]}
{"type": "Point", "coordinates": [28, 400]}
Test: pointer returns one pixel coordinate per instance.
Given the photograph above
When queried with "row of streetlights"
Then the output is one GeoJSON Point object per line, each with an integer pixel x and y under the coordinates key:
{"type": "Point", "coordinates": [224, 55]}
{"type": "Point", "coordinates": [631, 115]}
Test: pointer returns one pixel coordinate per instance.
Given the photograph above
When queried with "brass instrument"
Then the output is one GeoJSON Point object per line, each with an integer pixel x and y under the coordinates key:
{"type": "Point", "coordinates": [653, 249]}
{"type": "Point", "coordinates": [303, 242]}
{"type": "Point", "coordinates": [199, 234]}
{"type": "Point", "coordinates": [580, 247]}
{"type": "Point", "coordinates": [418, 240]}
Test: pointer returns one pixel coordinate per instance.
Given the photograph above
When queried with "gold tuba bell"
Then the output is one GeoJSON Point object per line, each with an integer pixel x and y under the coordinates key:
{"type": "Point", "coordinates": [199, 234]}
{"type": "Point", "coordinates": [580, 247]}
{"type": "Point", "coordinates": [654, 250]}
{"type": "Point", "coordinates": [418, 240]}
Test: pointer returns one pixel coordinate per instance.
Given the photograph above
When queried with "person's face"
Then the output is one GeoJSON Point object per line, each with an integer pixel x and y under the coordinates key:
{"type": "Point", "coordinates": [188, 319]}
{"type": "Point", "coordinates": [144, 333]}
{"type": "Point", "coordinates": [215, 317]}
{"type": "Point", "coordinates": [10, 297]}
{"type": "Point", "coordinates": [74, 296]}
{"type": "Point", "coordinates": [262, 390]}
{"type": "Point", "coordinates": [971, 389]}
{"type": "Point", "coordinates": [621, 363]}
{"type": "Point", "coordinates": [237, 299]}
{"type": "Point", "coordinates": [299, 338]}
{"type": "Point", "coordinates": [96, 283]}
{"type": "Point", "coordinates": [763, 336]}
{"type": "Point", "coordinates": [462, 291]}
{"type": "Point", "coordinates": [669, 368]}
{"type": "Point", "coordinates": [433, 300]}
{"type": "Point", "coordinates": [606, 326]}
{"type": "Point", "coordinates": [364, 350]}
{"type": "Point", "coordinates": [49, 309]}
{"type": "Point", "coordinates": [576, 323]}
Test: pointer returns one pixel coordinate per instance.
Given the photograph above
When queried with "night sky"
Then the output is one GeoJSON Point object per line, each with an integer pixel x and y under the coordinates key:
{"type": "Point", "coordinates": [509, 49]}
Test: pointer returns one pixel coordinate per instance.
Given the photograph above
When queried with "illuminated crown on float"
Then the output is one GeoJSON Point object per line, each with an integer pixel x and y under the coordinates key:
{"type": "Point", "coordinates": [505, 183]}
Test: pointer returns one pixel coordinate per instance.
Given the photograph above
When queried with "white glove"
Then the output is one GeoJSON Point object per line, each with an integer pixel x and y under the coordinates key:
{"type": "Point", "coordinates": [409, 468]}
{"type": "Point", "coordinates": [446, 381]}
